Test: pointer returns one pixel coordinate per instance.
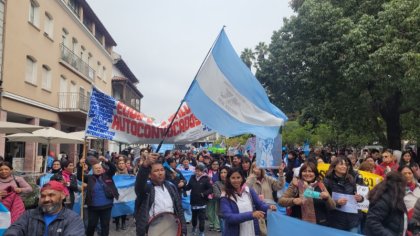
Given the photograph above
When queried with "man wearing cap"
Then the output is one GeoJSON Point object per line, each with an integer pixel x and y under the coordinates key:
{"type": "Point", "coordinates": [50, 218]}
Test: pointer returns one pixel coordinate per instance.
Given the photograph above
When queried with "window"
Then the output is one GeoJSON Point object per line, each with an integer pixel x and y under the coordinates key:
{"type": "Point", "coordinates": [30, 70]}
{"type": "Point", "coordinates": [89, 58]}
{"type": "Point", "coordinates": [64, 35]}
{"type": "Point", "coordinates": [99, 70]}
{"type": "Point", "coordinates": [138, 104]}
{"type": "Point", "coordinates": [74, 46]}
{"type": "Point", "coordinates": [49, 25]}
{"type": "Point", "coordinates": [33, 12]}
{"type": "Point", "coordinates": [74, 6]}
{"type": "Point", "coordinates": [104, 73]}
{"type": "Point", "coordinates": [46, 77]}
{"type": "Point", "coordinates": [82, 53]}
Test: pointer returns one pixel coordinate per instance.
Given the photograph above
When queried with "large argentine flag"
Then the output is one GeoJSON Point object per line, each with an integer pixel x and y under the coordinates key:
{"type": "Point", "coordinates": [227, 97]}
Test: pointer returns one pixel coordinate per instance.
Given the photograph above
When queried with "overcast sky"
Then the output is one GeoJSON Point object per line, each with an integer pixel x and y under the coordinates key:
{"type": "Point", "coordinates": [164, 42]}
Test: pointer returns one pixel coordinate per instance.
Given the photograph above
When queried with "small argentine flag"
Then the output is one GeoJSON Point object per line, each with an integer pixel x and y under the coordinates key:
{"type": "Point", "coordinates": [4, 219]}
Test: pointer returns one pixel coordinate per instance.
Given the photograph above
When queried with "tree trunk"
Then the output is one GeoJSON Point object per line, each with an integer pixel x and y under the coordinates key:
{"type": "Point", "coordinates": [391, 114]}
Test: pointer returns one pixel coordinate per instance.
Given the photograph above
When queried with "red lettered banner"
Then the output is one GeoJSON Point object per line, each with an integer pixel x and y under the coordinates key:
{"type": "Point", "coordinates": [113, 120]}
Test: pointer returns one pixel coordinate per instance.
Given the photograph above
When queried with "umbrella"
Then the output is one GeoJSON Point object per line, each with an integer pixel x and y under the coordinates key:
{"type": "Point", "coordinates": [12, 127]}
{"type": "Point", "coordinates": [81, 135]}
{"type": "Point", "coordinates": [47, 136]}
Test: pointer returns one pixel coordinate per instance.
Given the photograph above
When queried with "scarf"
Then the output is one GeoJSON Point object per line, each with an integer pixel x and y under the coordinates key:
{"type": "Point", "coordinates": [307, 207]}
{"type": "Point", "coordinates": [411, 186]}
{"type": "Point", "coordinates": [66, 176]}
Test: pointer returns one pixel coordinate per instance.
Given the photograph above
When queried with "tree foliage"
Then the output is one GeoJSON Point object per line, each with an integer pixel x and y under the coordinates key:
{"type": "Point", "coordinates": [352, 64]}
{"type": "Point", "coordinates": [248, 56]}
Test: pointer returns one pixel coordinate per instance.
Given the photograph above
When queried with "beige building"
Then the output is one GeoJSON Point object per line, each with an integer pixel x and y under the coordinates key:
{"type": "Point", "coordinates": [52, 53]}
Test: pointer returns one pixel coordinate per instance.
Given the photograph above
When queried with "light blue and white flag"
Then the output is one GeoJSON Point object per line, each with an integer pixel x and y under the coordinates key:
{"type": "Point", "coordinates": [282, 225]}
{"type": "Point", "coordinates": [5, 219]}
{"type": "Point", "coordinates": [226, 96]}
{"type": "Point", "coordinates": [125, 203]}
{"type": "Point", "coordinates": [306, 148]}
{"type": "Point", "coordinates": [186, 199]}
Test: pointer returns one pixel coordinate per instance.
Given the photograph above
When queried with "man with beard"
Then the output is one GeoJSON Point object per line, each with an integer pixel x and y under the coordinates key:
{"type": "Point", "coordinates": [50, 218]}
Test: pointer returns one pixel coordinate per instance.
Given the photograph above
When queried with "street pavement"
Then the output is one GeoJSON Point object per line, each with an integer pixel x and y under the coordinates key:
{"type": "Point", "coordinates": [131, 229]}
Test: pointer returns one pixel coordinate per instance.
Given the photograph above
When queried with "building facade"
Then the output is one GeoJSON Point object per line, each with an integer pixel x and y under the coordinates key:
{"type": "Point", "coordinates": [52, 53]}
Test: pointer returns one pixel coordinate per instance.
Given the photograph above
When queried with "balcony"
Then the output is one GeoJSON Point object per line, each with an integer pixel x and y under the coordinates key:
{"type": "Point", "coordinates": [77, 63]}
{"type": "Point", "coordinates": [73, 102]}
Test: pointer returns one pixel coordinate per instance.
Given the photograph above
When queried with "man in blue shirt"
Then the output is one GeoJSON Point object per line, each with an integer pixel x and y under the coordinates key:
{"type": "Point", "coordinates": [50, 218]}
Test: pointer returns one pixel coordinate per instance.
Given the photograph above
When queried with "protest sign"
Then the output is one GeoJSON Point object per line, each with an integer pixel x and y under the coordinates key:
{"type": "Point", "coordinates": [363, 191]}
{"type": "Point", "coordinates": [351, 205]}
{"type": "Point", "coordinates": [113, 120]}
{"type": "Point", "coordinates": [369, 179]}
{"type": "Point", "coordinates": [268, 152]}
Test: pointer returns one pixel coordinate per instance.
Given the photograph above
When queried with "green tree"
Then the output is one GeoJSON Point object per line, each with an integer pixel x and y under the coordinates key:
{"type": "Point", "coordinates": [355, 64]}
{"type": "Point", "coordinates": [248, 56]}
{"type": "Point", "coordinates": [261, 50]}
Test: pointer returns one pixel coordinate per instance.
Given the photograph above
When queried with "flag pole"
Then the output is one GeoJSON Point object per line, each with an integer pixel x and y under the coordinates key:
{"type": "Point", "coordinates": [83, 177]}
{"type": "Point", "coordinates": [182, 101]}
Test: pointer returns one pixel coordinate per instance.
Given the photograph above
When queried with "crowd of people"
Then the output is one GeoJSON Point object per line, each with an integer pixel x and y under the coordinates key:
{"type": "Point", "coordinates": [229, 194]}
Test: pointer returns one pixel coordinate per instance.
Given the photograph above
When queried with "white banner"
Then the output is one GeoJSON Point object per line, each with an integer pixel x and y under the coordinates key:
{"type": "Point", "coordinates": [113, 120]}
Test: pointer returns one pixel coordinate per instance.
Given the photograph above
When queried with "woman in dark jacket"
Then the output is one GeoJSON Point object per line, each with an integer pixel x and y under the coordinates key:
{"type": "Point", "coordinates": [173, 175]}
{"type": "Point", "coordinates": [339, 180]}
{"type": "Point", "coordinates": [293, 161]}
{"type": "Point", "coordinates": [100, 194]}
{"type": "Point", "coordinates": [200, 187]}
{"type": "Point", "coordinates": [69, 179]}
{"type": "Point", "coordinates": [387, 215]}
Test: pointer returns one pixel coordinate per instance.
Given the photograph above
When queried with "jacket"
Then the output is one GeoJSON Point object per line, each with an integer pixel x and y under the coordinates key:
{"type": "Point", "coordinates": [321, 207]}
{"type": "Point", "coordinates": [67, 223]}
{"type": "Point", "coordinates": [169, 176]}
{"type": "Point", "coordinates": [232, 218]}
{"type": "Point", "coordinates": [381, 168]}
{"type": "Point", "coordinates": [382, 220]}
{"type": "Point", "coordinates": [200, 189]}
{"type": "Point", "coordinates": [145, 197]}
{"type": "Point", "coordinates": [266, 186]}
{"type": "Point", "coordinates": [411, 197]}
{"type": "Point", "coordinates": [110, 188]}
{"type": "Point", "coordinates": [14, 203]}
{"type": "Point", "coordinates": [338, 219]}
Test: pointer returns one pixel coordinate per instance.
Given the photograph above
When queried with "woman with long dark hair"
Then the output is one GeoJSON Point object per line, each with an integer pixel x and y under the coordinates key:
{"type": "Point", "coordinates": [218, 189]}
{"type": "Point", "coordinates": [387, 213]}
{"type": "Point", "coordinates": [339, 179]}
{"type": "Point", "coordinates": [293, 161]}
{"type": "Point", "coordinates": [246, 166]}
{"type": "Point", "coordinates": [240, 206]}
{"type": "Point", "coordinates": [406, 159]}
{"type": "Point", "coordinates": [412, 189]}
{"type": "Point", "coordinates": [308, 197]}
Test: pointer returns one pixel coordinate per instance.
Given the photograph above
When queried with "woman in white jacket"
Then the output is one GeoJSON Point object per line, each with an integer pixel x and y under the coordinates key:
{"type": "Point", "coordinates": [412, 192]}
